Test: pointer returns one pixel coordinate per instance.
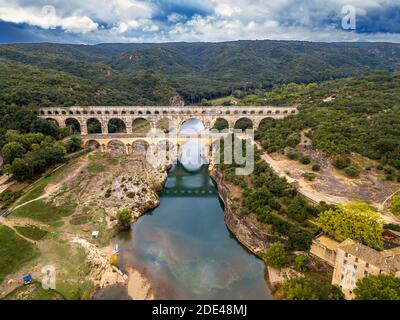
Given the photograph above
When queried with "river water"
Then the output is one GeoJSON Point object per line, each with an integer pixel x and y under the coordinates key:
{"type": "Point", "coordinates": [183, 247]}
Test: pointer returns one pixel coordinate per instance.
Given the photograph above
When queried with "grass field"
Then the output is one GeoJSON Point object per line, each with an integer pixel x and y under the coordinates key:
{"type": "Point", "coordinates": [79, 220]}
{"type": "Point", "coordinates": [38, 188]}
{"type": "Point", "coordinates": [14, 252]}
{"type": "Point", "coordinates": [34, 291]}
{"type": "Point", "coordinates": [32, 232]}
{"type": "Point", "coordinates": [44, 212]}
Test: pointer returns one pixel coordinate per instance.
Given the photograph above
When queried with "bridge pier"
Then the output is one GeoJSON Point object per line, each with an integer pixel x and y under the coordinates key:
{"type": "Point", "coordinates": [84, 129]}
{"type": "Point", "coordinates": [104, 127]}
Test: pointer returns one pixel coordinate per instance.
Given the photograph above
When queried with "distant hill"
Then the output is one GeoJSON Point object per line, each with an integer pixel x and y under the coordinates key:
{"type": "Point", "coordinates": [152, 73]}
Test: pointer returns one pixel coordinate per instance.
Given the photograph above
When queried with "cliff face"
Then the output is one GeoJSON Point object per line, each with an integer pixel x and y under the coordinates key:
{"type": "Point", "coordinates": [247, 229]}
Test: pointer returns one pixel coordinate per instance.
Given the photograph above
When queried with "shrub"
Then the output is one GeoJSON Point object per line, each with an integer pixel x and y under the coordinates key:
{"type": "Point", "coordinates": [341, 162]}
{"type": "Point", "coordinates": [352, 172]}
{"type": "Point", "coordinates": [276, 255]}
{"type": "Point", "coordinates": [310, 176]}
{"type": "Point", "coordinates": [124, 217]}
{"type": "Point", "coordinates": [131, 195]}
{"type": "Point", "coordinates": [395, 207]}
{"type": "Point", "coordinates": [108, 193]}
{"type": "Point", "coordinates": [292, 155]}
{"type": "Point", "coordinates": [305, 160]}
{"type": "Point", "coordinates": [316, 167]}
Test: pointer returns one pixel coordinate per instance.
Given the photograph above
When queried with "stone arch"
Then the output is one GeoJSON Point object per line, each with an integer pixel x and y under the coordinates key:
{"type": "Point", "coordinates": [166, 125]}
{"type": "Point", "coordinates": [74, 125]}
{"type": "Point", "coordinates": [197, 130]}
{"type": "Point", "coordinates": [54, 121]}
{"type": "Point", "coordinates": [116, 148]}
{"type": "Point", "coordinates": [140, 147]}
{"type": "Point", "coordinates": [141, 125]}
{"type": "Point", "coordinates": [116, 125]}
{"type": "Point", "coordinates": [92, 144]}
{"type": "Point", "coordinates": [244, 123]}
{"type": "Point", "coordinates": [220, 124]}
{"type": "Point", "coordinates": [94, 126]}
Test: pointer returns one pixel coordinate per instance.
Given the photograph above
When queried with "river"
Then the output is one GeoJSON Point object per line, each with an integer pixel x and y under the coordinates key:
{"type": "Point", "coordinates": [184, 248]}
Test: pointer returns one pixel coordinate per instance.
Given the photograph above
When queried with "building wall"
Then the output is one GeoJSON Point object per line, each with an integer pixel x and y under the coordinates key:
{"type": "Point", "coordinates": [348, 270]}
{"type": "Point", "coordinates": [321, 251]}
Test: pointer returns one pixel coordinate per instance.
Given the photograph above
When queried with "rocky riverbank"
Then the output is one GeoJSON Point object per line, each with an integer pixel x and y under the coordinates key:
{"type": "Point", "coordinates": [248, 231]}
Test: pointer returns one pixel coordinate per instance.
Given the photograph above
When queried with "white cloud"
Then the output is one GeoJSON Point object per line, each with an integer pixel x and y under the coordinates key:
{"type": "Point", "coordinates": [142, 20]}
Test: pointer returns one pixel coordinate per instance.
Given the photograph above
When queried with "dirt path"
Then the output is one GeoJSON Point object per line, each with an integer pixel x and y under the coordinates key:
{"type": "Point", "coordinates": [11, 226]}
{"type": "Point", "coordinates": [55, 187]}
{"type": "Point", "coordinates": [315, 196]}
{"type": "Point", "coordinates": [302, 187]}
{"type": "Point", "coordinates": [3, 185]}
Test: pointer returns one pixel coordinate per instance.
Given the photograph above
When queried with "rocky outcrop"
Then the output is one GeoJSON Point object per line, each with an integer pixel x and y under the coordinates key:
{"type": "Point", "coordinates": [248, 231]}
{"type": "Point", "coordinates": [132, 183]}
{"type": "Point", "coordinates": [102, 273]}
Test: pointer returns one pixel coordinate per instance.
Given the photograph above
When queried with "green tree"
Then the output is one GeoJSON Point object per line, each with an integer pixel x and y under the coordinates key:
{"type": "Point", "coordinates": [276, 255]}
{"type": "Point", "coordinates": [380, 287]}
{"type": "Point", "coordinates": [395, 208]}
{"type": "Point", "coordinates": [21, 170]}
{"type": "Point", "coordinates": [298, 209]}
{"type": "Point", "coordinates": [73, 144]}
{"type": "Point", "coordinates": [310, 289]}
{"type": "Point", "coordinates": [11, 151]}
{"type": "Point", "coordinates": [124, 217]}
{"type": "Point", "coordinates": [355, 220]}
{"type": "Point", "coordinates": [300, 262]}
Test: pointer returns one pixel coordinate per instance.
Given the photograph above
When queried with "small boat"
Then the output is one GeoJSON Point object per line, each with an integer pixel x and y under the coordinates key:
{"type": "Point", "coordinates": [116, 249]}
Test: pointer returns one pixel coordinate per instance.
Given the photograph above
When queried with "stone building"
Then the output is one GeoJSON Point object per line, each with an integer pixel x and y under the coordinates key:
{"type": "Point", "coordinates": [353, 261]}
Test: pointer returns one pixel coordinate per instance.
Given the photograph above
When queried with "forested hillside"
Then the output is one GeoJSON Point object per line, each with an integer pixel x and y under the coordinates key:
{"type": "Point", "coordinates": [359, 114]}
{"type": "Point", "coordinates": [152, 73]}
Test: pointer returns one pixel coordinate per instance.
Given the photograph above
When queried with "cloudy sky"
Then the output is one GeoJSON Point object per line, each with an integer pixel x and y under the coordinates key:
{"type": "Point", "coordinates": [97, 21]}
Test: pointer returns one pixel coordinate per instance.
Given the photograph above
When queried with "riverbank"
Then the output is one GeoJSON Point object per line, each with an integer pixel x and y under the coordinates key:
{"type": "Point", "coordinates": [89, 192]}
{"type": "Point", "coordinates": [250, 233]}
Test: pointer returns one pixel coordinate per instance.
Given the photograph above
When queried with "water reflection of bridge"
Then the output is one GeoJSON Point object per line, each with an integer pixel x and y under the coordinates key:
{"type": "Point", "coordinates": [182, 184]}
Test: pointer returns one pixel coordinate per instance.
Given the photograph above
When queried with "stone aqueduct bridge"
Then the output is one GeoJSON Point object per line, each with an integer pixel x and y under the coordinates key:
{"type": "Point", "coordinates": [176, 117]}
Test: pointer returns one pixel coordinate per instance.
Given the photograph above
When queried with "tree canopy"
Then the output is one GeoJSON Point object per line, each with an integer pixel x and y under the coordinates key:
{"type": "Point", "coordinates": [355, 220]}
{"type": "Point", "coordinates": [379, 287]}
{"type": "Point", "coordinates": [310, 289]}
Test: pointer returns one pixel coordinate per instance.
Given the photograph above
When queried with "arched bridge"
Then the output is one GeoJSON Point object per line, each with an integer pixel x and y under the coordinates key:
{"type": "Point", "coordinates": [84, 119]}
